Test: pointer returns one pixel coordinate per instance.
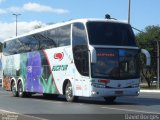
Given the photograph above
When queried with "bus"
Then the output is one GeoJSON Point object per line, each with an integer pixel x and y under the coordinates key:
{"type": "Point", "coordinates": [82, 57]}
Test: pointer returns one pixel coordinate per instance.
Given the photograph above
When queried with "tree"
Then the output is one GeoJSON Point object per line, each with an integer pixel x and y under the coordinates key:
{"type": "Point", "coordinates": [37, 26]}
{"type": "Point", "coordinates": [145, 40]}
{"type": "Point", "coordinates": [150, 33]}
{"type": "Point", "coordinates": [42, 25]}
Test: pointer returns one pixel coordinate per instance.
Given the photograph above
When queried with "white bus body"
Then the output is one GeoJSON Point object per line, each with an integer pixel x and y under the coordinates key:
{"type": "Point", "coordinates": [85, 57]}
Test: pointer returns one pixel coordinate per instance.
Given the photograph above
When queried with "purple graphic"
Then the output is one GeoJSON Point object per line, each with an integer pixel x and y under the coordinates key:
{"type": "Point", "coordinates": [34, 72]}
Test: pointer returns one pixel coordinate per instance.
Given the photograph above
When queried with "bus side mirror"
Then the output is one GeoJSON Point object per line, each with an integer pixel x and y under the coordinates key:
{"type": "Point", "coordinates": [148, 56]}
{"type": "Point", "coordinates": [93, 56]}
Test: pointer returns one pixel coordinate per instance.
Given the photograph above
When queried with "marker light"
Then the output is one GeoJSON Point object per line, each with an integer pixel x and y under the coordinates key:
{"type": "Point", "coordinates": [104, 81]}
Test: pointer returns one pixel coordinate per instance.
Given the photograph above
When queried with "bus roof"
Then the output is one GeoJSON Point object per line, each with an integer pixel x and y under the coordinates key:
{"type": "Point", "coordinates": [48, 27]}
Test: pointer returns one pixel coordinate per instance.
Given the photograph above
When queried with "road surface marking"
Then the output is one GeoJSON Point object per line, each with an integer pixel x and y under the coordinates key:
{"type": "Point", "coordinates": [149, 91]}
{"type": "Point", "coordinates": [139, 111]}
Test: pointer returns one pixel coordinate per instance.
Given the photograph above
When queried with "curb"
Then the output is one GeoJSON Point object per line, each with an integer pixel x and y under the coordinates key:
{"type": "Point", "coordinates": [150, 91]}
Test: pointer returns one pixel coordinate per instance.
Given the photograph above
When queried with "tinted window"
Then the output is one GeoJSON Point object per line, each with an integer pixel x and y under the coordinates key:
{"type": "Point", "coordinates": [28, 43]}
{"type": "Point", "coordinates": [105, 33]}
{"type": "Point", "coordinates": [79, 34]}
{"type": "Point", "coordinates": [43, 40]}
{"type": "Point", "coordinates": [10, 47]}
{"type": "Point", "coordinates": [61, 35]}
{"type": "Point", "coordinates": [80, 49]}
{"type": "Point", "coordinates": [64, 35]}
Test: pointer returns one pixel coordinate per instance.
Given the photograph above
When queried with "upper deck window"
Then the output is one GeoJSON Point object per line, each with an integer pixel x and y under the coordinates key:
{"type": "Point", "coordinates": [107, 33]}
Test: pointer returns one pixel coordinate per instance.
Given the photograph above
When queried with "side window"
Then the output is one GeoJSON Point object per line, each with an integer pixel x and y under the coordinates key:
{"type": "Point", "coordinates": [79, 34]}
{"type": "Point", "coordinates": [24, 44]}
{"type": "Point", "coordinates": [6, 47]}
{"type": "Point", "coordinates": [52, 38]}
{"type": "Point", "coordinates": [51, 35]}
{"type": "Point", "coordinates": [34, 42]}
{"type": "Point", "coordinates": [80, 48]}
{"type": "Point", "coordinates": [11, 47]}
{"type": "Point", "coordinates": [59, 36]}
{"type": "Point", "coordinates": [64, 35]}
{"type": "Point", "coordinates": [44, 42]}
{"type": "Point", "coordinates": [28, 43]}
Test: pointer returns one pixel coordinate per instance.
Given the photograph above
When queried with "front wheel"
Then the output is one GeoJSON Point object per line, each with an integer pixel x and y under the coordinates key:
{"type": "Point", "coordinates": [69, 93]}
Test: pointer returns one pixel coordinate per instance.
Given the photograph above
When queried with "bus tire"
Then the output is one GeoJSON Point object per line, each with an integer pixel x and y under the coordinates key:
{"type": "Point", "coordinates": [69, 93]}
{"type": "Point", "coordinates": [110, 99]}
{"type": "Point", "coordinates": [20, 89]}
{"type": "Point", "coordinates": [13, 88]}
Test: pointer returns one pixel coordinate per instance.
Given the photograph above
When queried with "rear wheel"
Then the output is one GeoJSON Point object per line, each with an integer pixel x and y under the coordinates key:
{"type": "Point", "coordinates": [20, 89]}
{"type": "Point", "coordinates": [110, 99]}
{"type": "Point", "coordinates": [13, 88]}
{"type": "Point", "coordinates": [69, 93]}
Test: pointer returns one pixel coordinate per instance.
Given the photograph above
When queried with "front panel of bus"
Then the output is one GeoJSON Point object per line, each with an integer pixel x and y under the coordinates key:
{"type": "Point", "coordinates": [116, 70]}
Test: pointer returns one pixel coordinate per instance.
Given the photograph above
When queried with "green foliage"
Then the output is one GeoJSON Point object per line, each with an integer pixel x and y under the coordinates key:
{"type": "Point", "coordinates": [37, 26]}
{"type": "Point", "coordinates": [147, 41]}
{"type": "Point", "coordinates": [150, 33]}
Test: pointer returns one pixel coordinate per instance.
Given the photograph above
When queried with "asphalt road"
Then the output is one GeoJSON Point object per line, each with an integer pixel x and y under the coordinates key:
{"type": "Point", "coordinates": [146, 105]}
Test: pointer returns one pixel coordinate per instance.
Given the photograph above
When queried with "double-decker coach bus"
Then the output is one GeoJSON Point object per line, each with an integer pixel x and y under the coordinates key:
{"type": "Point", "coordinates": [84, 57]}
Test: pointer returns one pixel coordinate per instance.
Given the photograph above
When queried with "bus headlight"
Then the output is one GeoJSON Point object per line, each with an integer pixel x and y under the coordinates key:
{"type": "Point", "coordinates": [94, 93]}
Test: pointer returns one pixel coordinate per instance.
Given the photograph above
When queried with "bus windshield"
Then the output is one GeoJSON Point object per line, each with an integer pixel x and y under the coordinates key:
{"type": "Point", "coordinates": [109, 33]}
{"type": "Point", "coordinates": [116, 64]}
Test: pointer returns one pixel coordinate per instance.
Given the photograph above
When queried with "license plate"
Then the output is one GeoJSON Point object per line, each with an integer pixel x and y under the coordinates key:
{"type": "Point", "coordinates": [119, 92]}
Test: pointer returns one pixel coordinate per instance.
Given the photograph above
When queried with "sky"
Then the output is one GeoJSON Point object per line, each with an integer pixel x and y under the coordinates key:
{"type": "Point", "coordinates": [43, 12]}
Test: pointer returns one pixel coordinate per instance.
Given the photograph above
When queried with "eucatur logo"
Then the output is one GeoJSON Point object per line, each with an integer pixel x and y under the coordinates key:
{"type": "Point", "coordinates": [59, 56]}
